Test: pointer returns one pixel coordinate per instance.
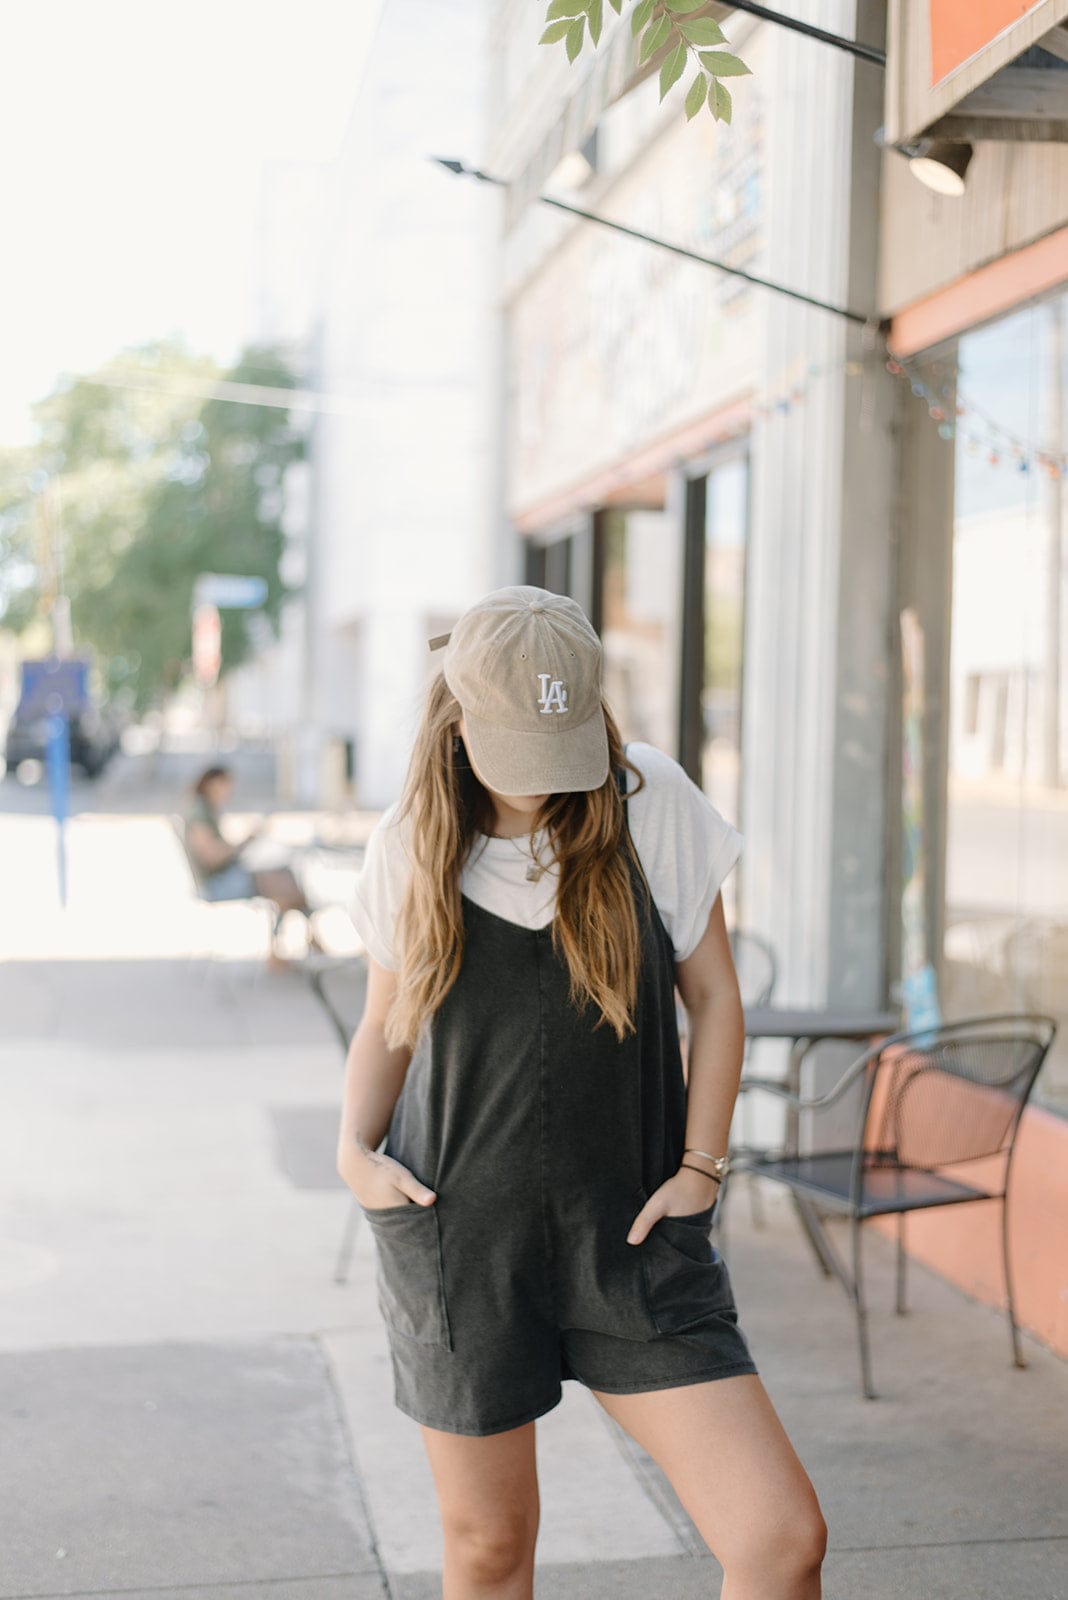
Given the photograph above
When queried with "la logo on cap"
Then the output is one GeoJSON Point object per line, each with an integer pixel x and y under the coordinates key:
{"type": "Point", "coordinates": [553, 696]}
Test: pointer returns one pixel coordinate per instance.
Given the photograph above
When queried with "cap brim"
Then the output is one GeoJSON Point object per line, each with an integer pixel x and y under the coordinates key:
{"type": "Point", "coordinates": [539, 763]}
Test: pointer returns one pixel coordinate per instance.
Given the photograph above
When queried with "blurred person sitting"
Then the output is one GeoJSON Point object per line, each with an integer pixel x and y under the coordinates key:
{"type": "Point", "coordinates": [222, 873]}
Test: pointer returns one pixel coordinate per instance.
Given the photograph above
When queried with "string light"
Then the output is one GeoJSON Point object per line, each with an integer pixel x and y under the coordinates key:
{"type": "Point", "coordinates": [1002, 447]}
{"type": "Point", "coordinates": [955, 418]}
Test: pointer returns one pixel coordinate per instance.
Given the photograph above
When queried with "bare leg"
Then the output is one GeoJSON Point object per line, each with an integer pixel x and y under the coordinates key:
{"type": "Point", "coordinates": [281, 886]}
{"type": "Point", "coordinates": [726, 1454]}
{"type": "Point", "coordinates": [273, 886]}
{"type": "Point", "coordinates": [488, 1497]}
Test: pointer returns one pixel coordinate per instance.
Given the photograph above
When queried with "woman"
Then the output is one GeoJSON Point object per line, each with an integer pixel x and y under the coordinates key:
{"type": "Point", "coordinates": [221, 873]}
{"type": "Point", "coordinates": [541, 1208]}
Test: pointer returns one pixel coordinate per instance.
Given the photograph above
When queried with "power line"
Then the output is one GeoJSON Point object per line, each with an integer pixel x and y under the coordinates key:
{"type": "Point", "coordinates": [257, 394]}
{"type": "Point", "coordinates": [860, 318]}
{"type": "Point", "coordinates": [865, 52]}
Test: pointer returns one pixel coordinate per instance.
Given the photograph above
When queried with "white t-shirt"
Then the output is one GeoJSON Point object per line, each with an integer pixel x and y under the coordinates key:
{"type": "Point", "coordinates": [686, 848]}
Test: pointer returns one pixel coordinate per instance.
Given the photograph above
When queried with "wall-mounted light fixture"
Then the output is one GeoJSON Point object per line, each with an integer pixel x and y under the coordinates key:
{"type": "Point", "coordinates": [940, 164]}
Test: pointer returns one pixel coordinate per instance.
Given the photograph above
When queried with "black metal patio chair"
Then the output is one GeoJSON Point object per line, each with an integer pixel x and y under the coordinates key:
{"type": "Point", "coordinates": [927, 1100]}
{"type": "Point", "coordinates": [756, 966]}
{"type": "Point", "coordinates": [340, 988]}
{"type": "Point", "coordinates": [757, 970]}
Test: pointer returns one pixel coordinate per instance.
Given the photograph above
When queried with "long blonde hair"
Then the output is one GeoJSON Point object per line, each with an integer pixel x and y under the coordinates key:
{"type": "Point", "coordinates": [596, 925]}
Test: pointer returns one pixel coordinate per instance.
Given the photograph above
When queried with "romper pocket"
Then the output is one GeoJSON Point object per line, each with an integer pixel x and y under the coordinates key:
{"type": "Point", "coordinates": [686, 1277]}
{"type": "Point", "coordinates": [410, 1277]}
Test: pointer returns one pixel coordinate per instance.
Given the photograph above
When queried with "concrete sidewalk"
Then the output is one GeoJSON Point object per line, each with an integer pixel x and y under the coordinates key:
{"type": "Point", "coordinates": [193, 1406]}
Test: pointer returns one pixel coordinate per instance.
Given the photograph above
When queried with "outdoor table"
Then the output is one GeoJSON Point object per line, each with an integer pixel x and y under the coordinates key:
{"type": "Point", "coordinates": [804, 1027]}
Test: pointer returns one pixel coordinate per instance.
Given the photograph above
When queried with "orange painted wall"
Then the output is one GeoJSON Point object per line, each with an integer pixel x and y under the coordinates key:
{"type": "Point", "coordinates": [963, 1243]}
{"type": "Point", "coordinates": [960, 28]}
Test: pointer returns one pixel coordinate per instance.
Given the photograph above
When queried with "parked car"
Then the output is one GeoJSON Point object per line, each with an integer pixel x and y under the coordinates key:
{"type": "Point", "coordinates": [51, 686]}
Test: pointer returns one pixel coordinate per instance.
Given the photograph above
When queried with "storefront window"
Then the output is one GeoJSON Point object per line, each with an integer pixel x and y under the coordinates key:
{"type": "Point", "coordinates": [726, 494]}
{"type": "Point", "coordinates": [641, 623]}
{"type": "Point", "coordinates": [717, 512]}
{"type": "Point", "coordinates": [1006, 923]}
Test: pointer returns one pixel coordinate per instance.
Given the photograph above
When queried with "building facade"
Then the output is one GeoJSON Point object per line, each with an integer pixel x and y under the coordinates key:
{"type": "Point", "coordinates": [975, 284]}
{"type": "Point", "coordinates": [747, 491]}
{"type": "Point", "coordinates": [406, 504]}
{"type": "Point", "coordinates": [702, 460]}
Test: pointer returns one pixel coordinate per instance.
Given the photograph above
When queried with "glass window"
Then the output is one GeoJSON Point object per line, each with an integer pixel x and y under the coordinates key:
{"type": "Point", "coordinates": [640, 628]}
{"type": "Point", "coordinates": [1006, 923]}
{"type": "Point", "coordinates": [726, 517]}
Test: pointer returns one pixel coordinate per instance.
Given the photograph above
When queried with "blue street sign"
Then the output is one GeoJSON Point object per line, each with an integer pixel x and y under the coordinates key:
{"type": "Point", "coordinates": [58, 758]}
{"type": "Point", "coordinates": [229, 591]}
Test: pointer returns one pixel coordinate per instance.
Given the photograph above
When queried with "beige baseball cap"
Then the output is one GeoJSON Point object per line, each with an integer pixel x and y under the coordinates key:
{"type": "Point", "coordinates": [525, 665]}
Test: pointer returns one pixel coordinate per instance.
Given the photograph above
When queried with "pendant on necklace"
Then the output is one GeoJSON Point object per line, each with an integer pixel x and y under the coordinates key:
{"type": "Point", "coordinates": [534, 872]}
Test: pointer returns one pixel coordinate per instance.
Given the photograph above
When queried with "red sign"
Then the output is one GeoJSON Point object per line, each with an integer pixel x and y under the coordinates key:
{"type": "Point", "coordinates": [207, 644]}
{"type": "Point", "coordinates": [961, 28]}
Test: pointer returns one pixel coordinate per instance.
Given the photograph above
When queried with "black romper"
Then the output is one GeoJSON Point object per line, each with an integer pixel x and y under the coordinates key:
{"type": "Point", "coordinates": [542, 1139]}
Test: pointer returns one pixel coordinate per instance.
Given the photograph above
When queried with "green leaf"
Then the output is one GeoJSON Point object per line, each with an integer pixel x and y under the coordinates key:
{"type": "Point", "coordinates": [695, 96]}
{"type": "Point", "coordinates": [673, 68]}
{"type": "Point", "coordinates": [719, 101]}
{"type": "Point", "coordinates": [722, 65]}
{"type": "Point", "coordinates": [617, 6]}
{"type": "Point", "coordinates": [555, 30]}
{"type": "Point", "coordinates": [565, 8]}
{"type": "Point", "coordinates": [596, 14]}
{"type": "Point", "coordinates": [654, 37]}
{"type": "Point", "coordinates": [681, 7]}
{"type": "Point", "coordinates": [702, 31]}
{"type": "Point", "coordinates": [574, 38]}
{"type": "Point", "coordinates": [642, 12]}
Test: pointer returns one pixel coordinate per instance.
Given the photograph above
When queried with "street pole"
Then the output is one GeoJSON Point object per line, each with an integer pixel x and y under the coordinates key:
{"type": "Point", "coordinates": [57, 745]}
{"type": "Point", "coordinates": [58, 762]}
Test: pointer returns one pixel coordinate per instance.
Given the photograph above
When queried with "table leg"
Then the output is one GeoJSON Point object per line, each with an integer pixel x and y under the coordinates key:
{"type": "Point", "coordinates": [810, 1225]}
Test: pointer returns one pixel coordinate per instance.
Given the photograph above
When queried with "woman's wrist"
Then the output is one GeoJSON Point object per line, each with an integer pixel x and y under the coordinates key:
{"type": "Point", "coordinates": [717, 1166]}
{"type": "Point", "coordinates": [711, 1176]}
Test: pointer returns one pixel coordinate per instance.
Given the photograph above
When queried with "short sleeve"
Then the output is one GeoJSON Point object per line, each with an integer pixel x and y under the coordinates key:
{"type": "Point", "coordinates": [686, 846]}
{"type": "Point", "coordinates": [380, 887]}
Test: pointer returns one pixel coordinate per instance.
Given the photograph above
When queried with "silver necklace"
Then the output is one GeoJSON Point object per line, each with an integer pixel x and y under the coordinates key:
{"type": "Point", "coordinates": [535, 869]}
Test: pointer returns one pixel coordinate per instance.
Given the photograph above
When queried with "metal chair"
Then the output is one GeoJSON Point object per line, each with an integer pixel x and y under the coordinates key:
{"type": "Point", "coordinates": [196, 874]}
{"type": "Point", "coordinates": [756, 966]}
{"type": "Point", "coordinates": [926, 1100]}
{"type": "Point", "coordinates": [340, 988]}
{"type": "Point", "coordinates": [757, 970]}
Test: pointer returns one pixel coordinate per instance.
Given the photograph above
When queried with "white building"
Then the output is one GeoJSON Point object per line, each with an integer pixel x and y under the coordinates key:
{"type": "Point", "coordinates": [269, 694]}
{"type": "Point", "coordinates": [407, 528]}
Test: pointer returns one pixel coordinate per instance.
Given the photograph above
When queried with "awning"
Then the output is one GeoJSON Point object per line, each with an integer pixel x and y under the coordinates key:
{"type": "Point", "coordinates": [968, 70]}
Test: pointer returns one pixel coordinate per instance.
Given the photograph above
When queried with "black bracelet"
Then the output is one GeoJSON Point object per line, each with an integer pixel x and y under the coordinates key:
{"type": "Point", "coordinates": [701, 1170]}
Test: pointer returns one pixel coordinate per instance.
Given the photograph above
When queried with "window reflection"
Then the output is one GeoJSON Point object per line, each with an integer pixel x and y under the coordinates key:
{"type": "Point", "coordinates": [641, 624]}
{"type": "Point", "coordinates": [721, 699]}
{"type": "Point", "coordinates": [1006, 924]}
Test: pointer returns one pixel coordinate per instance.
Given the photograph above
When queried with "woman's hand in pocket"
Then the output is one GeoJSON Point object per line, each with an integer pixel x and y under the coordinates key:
{"type": "Point", "coordinates": [377, 1181]}
{"type": "Point", "coordinates": [682, 1195]}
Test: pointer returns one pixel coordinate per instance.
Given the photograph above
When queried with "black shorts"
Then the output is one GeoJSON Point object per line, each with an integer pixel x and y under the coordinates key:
{"type": "Point", "coordinates": [478, 1350]}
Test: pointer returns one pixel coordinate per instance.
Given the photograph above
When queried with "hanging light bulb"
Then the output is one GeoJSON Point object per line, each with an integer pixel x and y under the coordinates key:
{"type": "Point", "coordinates": [941, 164]}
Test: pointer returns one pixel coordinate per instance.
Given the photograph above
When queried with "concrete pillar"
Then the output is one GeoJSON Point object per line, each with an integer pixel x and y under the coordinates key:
{"type": "Point", "coordinates": [821, 582]}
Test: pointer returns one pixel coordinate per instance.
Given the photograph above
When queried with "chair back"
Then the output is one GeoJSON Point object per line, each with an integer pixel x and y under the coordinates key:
{"type": "Point", "coordinates": [755, 964]}
{"type": "Point", "coordinates": [953, 1093]}
{"type": "Point", "coordinates": [195, 870]}
{"type": "Point", "coordinates": [341, 989]}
